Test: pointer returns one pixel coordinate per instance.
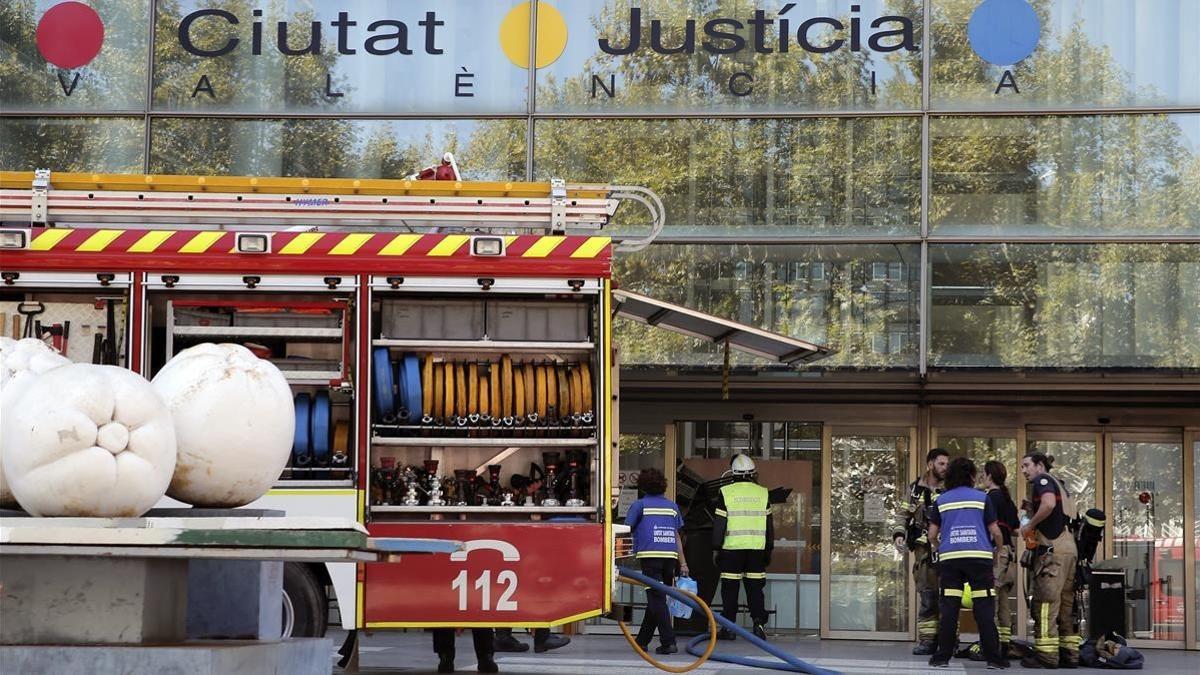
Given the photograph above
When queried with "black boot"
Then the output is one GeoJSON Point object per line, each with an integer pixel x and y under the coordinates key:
{"type": "Point", "coordinates": [508, 643]}
{"type": "Point", "coordinates": [924, 648]}
{"type": "Point", "coordinates": [446, 662]}
{"type": "Point", "coordinates": [726, 634]}
{"type": "Point", "coordinates": [551, 642]}
{"type": "Point", "coordinates": [760, 632]}
{"type": "Point", "coordinates": [488, 665]}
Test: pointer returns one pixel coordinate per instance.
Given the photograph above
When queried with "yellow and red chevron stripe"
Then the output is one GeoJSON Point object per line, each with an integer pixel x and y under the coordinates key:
{"type": "Point", "coordinates": [389, 244]}
{"type": "Point", "coordinates": [365, 252]}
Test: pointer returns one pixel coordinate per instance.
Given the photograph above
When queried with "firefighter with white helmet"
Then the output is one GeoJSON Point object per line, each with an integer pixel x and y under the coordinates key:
{"type": "Point", "coordinates": [744, 535]}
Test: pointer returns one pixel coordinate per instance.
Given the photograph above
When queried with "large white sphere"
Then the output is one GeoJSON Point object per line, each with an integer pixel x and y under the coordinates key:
{"type": "Point", "coordinates": [234, 421]}
{"type": "Point", "coordinates": [87, 440]}
{"type": "Point", "coordinates": [20, 362]}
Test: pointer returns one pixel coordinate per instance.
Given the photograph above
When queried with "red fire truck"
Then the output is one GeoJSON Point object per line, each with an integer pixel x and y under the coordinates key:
{"type": "Point", "coordinates": [449, 345]}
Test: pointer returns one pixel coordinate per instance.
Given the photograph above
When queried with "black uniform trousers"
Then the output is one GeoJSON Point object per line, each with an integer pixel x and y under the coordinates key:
{"type": "Point", "coordinates": [743, 568]}
{"type": "Point", "coordinates": [443, 642]}
{"type": "Point", "coordinates": [657, 615]}
{"type": "Point", "coordinates": [952, 574]}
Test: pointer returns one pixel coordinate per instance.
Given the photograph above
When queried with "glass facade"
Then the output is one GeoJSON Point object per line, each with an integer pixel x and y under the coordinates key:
{"type": "Point", "coordinates": [1065, 305]}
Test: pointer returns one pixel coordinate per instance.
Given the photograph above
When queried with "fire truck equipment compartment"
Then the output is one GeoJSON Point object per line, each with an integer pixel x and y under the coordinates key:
{"type": "Point", "coordinates": [441, 319]}
{"type": "Point", "coordinates": [527, 320]}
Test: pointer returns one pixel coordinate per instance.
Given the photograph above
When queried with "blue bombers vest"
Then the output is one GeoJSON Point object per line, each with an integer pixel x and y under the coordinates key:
{"type": "Point", "coordinates": [964, 534]}
{"type": "Point", "coordinates": [656, 533]}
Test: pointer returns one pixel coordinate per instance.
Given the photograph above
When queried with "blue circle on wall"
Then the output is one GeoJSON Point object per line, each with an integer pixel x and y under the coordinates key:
{"type": "Point", "coordinates": [1004, 32]}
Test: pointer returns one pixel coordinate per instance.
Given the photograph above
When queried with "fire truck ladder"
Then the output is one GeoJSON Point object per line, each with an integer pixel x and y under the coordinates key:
{"type": "Point", "coordinates": [320, 204]}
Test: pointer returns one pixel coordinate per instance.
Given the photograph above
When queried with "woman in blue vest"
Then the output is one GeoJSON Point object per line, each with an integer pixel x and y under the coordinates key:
{"type": "Point", "coordinates": [963, 533]}
{"type": "Point", "coordinates": [655, 522]}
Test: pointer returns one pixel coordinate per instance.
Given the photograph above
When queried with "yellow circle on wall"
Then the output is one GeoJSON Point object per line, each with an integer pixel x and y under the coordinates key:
{"type": "Point", "coordinates": [551, 35]}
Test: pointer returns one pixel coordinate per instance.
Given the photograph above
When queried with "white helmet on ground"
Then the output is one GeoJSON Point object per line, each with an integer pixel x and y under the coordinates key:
{"type": "Point", "coordinates": [742, 465]}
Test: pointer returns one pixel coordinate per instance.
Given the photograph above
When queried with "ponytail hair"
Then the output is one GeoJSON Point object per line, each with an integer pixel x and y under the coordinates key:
{"type": "Point", "coordinates": [1047, 461]}
{"type": "Point", "coordinates": [996, 471]}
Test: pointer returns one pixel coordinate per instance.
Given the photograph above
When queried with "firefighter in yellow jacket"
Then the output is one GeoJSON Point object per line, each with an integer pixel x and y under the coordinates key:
{"type": "Point", "coordinates": [744, 535]}
{"type": "Point", "coordinates": [914, 538]}
{"type": "Point", "coordinates": [1056, 637]}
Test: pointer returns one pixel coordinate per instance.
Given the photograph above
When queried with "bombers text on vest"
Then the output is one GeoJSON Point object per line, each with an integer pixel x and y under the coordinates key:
{"type": "Point", "coordinates": [964, 533]}
{"type": "Point", "coordinates": [747, 516]}
{"type": "Point", "coordinates": [656, 533]}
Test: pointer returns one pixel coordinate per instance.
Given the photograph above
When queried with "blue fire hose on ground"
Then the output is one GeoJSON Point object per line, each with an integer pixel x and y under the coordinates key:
{"type": "Point", "coordinates": [787, 662]}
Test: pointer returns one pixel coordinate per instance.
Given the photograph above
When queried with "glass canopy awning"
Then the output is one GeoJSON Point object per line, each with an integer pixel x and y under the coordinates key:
{"type": "Point", "coordinates": [697, 324]}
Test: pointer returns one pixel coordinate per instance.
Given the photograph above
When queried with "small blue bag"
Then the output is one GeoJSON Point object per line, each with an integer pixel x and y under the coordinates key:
{"type": "Point", "coordinates": [678, 608]}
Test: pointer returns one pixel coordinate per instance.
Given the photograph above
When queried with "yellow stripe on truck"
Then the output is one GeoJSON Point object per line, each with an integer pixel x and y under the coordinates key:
{"type": "Point", "coordinates": [351, 244]}
{"type": "Point", "coordinates": [150, 241]}
{"type": "Point", "coordinates": [400, 244]}
{"type": "Point", "coordinates": [201, 242]}
{"type": "Point", "coordinates": [301, 243]}
{"type": "Point", "coordinates": [99, 241]}
{"type": "Point", "coordinates": [591, 248]}
{"type": "Point", "coordinates": [449, 245]}
{"type": "Point", "coordinates": [48, 239]}
{"type": "Point", "coordinates": [544, 247]}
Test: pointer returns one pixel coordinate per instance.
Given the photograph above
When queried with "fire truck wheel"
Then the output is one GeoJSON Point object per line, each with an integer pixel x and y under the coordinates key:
{"type": "Point", "coordinates": [306, 607]}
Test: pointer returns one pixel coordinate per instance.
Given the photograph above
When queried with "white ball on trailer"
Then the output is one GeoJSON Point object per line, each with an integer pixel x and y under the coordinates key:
{"type": "Point", "coordinates": [87, 440]}
{"type": "Point", "coordinates": [21, 361]}
{"type": "Point", "coordinates": [234, 421]}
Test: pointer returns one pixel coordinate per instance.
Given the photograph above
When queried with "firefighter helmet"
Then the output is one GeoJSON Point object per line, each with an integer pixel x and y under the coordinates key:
{"type": "Point", "coordinates": [742, 465]}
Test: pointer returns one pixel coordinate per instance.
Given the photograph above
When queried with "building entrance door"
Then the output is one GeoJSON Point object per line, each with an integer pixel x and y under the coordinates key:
{"type": "Point", "coordinates": [869, 582]}
{"type": "Point", "coordinates": [1136, 477]}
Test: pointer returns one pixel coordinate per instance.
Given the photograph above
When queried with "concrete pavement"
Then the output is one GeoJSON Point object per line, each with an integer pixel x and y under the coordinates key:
{"type": "Point", "coordinates": [412, 652]}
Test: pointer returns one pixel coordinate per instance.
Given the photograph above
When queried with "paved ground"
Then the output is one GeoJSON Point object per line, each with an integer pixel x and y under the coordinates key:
{"type": "Point", "coordinates": [412, 652]}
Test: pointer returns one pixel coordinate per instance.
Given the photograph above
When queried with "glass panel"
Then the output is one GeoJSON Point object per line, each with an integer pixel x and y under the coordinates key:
{"type": "Point", "coordinates": [489, 149]}
{"type": "Point", "coordinates": [719, 177]}
{"type": "Point", "coordinates": [1078, 175]}
{"type": "Point", "coordinates": [725, 55]}
{"type": "Point", "coordinates": [1088, 53]}
{"type": "Point", "coordinates": [637, 452]}
{"type": "Point", "coordinates": [1196, 529]}
{"type": "Point", "coordinates": [1066, 306]}
{"type": "Point", "coordinates": [1074, 465]}
{"type": "Point", "coordinates": [92, 57]}
{"type": "Point", "coordinates": [91, 144]}
{"type": "Point", "coordinates": [788, 456]}
{"type": "Point", "coordinates": [982, 449]}
{"type": "Point", "coordinates": [1147, 519]}
{"type": "Point", "coordinates": [393, 57]}
{"type": "Point", "coordinates": [826, 294]}
{"type": "Point", "coordinates": [868, 589]}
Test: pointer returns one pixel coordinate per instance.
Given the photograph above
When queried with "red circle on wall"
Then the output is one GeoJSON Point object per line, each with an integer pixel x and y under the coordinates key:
{"type": "Point", "coordinates": [70, 34]}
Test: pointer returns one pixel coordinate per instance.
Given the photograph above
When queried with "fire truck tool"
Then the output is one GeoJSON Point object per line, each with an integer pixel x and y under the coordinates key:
{"type": "Point", "coordinates": [427, 386]}
{"type": "Point", "coordinates": [302, 442]}
{"type": "Point", "coordinates": [411, 381]}
{"type": "Point", "coordinates": [30, 310]}
{"type": "Point", "coordinates": [460, 390]}
{"type": "Point", "coordinates": [98, 348]}
{"type": "Point", "coordinates": [448, 391]}
{"type": "Point", "coordinates": [564, 393]}
{"type": "Point", "coordinates": [319, 422]}
{"type": "Point", "coordinates": [585, 375]}
{"type": "Point", "coordinates": [385, 399]}
{"type": "Point", "coordinates": [506, 386]}
{"type": "Point", "coordinates": [494, 398]}
{"type": "Point", "coordinates": [110, 331]}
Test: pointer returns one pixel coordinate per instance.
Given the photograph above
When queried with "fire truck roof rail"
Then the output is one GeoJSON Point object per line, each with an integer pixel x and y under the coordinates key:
{"type": "Point", "coordinates": [135, 200]}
